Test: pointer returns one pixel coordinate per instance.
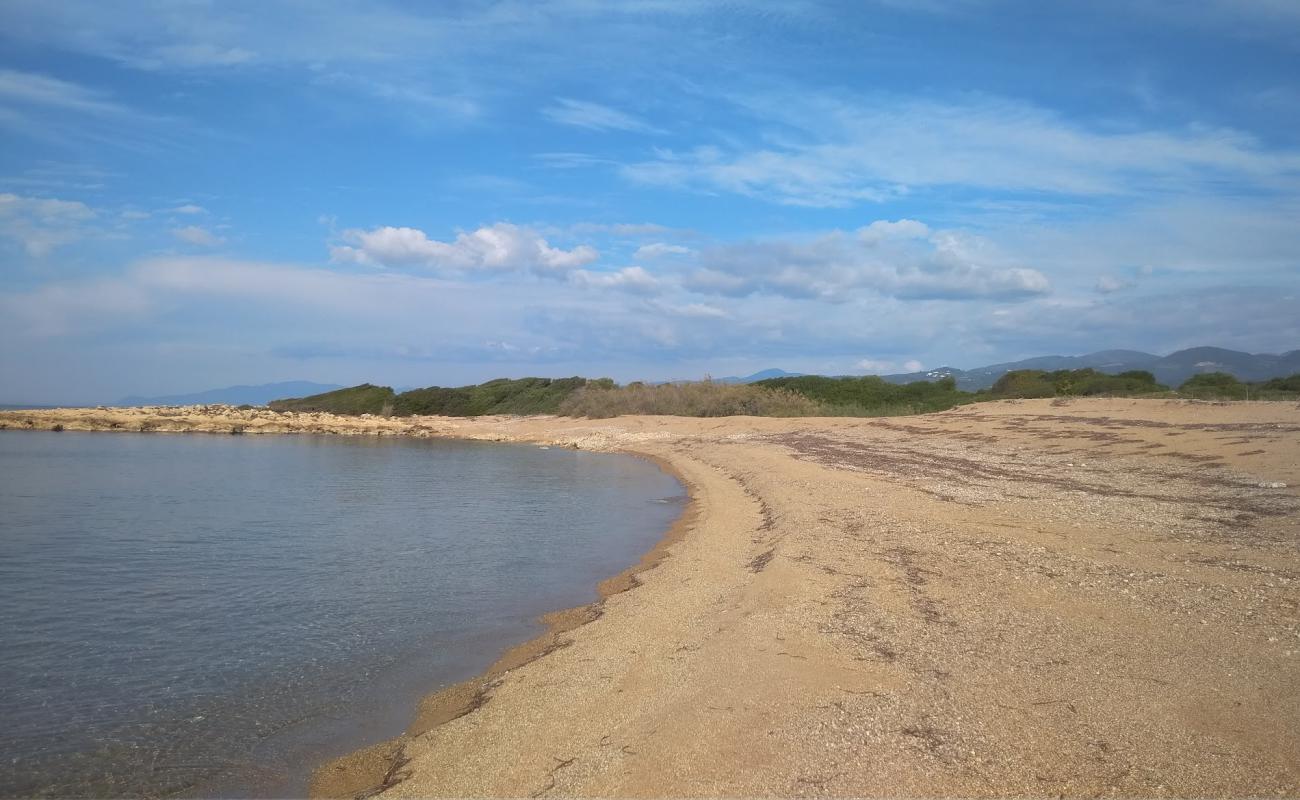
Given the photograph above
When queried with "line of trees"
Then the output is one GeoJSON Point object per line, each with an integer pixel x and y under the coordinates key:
{"type": "Point", "coordinates": [806, 395]}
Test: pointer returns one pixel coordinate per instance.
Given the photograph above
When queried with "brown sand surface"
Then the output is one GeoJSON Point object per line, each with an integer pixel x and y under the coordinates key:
{"type": "Point", "coordinates": [1024, 597]}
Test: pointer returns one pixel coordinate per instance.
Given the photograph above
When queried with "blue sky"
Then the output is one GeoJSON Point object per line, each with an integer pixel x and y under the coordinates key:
{"type": "Point", "coordinates": [195, 194]}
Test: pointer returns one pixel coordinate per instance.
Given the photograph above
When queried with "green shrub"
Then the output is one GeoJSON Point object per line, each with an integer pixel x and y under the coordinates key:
{"type": "Point", "coordinates": [364, 399]}
{"type": "Point", "coordinates": [696, 399]}
{"type": "Point", "coordinates": [1023, 383]}
{"type": "Point", "coordinates": [1214, 385]}
{"type": "Point", "coordinates": [1087, 382]}
{"type": "Point", "coordinates": [501, 396]}
{"type": "Point", "coordinates": [872, 395]}
{"type": "Point", "coordinates": [1290, 384]}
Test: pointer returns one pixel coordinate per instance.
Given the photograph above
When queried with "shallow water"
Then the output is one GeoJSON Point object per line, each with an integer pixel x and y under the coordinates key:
{"type": "Point", "coordinates": [195, 614]}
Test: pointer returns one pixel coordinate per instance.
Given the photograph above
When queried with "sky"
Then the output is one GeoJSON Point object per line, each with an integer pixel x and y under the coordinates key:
{"type": "Point", "coordinates": [197, 194]}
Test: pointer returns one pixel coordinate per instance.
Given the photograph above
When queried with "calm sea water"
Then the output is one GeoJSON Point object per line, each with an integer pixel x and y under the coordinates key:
{"type": "Point", "coordinates": [187, 614]}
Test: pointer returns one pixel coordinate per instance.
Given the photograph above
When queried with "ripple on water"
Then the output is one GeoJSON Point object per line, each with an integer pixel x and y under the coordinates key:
{"type": "Point", "coordinates": [193, 611]}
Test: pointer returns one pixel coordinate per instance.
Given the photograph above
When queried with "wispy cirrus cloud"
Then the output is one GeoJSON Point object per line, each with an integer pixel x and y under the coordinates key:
{"type": "Point", "coordinates": [35, 89]}
{"type": "Point", "coordinates": [51, 110]}
{"type": "Point", "coordinates": [595, 117]}
{"type": "Point", "coordinates": [197, 235]}
{"type": "Point", "coordinates": [836, 151]}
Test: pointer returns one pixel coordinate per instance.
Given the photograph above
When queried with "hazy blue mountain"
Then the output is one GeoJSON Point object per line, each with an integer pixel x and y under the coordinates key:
{"type": "Point", "coordinates": [759, 376]}
{"type": "Point", "coordinates": [1178, 367]}
{"type": "Point", "coordinates": [236, 395]}
{"type": "Point", "coordinates": [1170, 370]}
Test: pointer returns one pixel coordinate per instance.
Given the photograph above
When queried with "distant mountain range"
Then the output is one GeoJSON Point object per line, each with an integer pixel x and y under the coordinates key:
{"type": "Point", "coordinates": [1170, 370]}
{"type": "Point", "coordinates": [759, 376]}
{"type": "Point", "coordinates": [235, 395]}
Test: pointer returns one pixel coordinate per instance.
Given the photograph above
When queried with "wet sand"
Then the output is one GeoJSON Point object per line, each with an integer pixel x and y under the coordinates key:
{"type": "Point", "coordinates": [1026, 597]}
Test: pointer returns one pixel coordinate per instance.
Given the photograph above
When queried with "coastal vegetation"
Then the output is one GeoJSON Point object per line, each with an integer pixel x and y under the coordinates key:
{"type": "Point", "coordinates": [1222, 386]}
{"type": "Point", "coordinates": [692, 399]}
{"type": "Point", "coordinates": [502, 396]}
{"type": "Point", "coordinates": [873, 396]}
{"type": "Point", "coordinates": [364, 399]}
{"type": "Point", "coordinates": [1027, 383]}
{"type": "Point", "coordinates": [790, 396]}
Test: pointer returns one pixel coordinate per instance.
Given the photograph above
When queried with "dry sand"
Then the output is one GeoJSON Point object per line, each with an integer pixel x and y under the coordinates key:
{"type": "Point", "coordinates": [1030, 598]}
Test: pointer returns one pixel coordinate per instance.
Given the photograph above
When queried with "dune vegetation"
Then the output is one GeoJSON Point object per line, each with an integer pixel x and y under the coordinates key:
{"type": "Point", "coordinates": [502, 396]}
{"type": "Point", "coordinates": [364, 399]}
{"type": "Point", "coordinates": [1028, 383]}
{"type": "Point", "coordinates": [692, 399]}
{"type": "Point", "coordinates": [801, 396]}
{"type": "Point", "coordinates": [871, 395]}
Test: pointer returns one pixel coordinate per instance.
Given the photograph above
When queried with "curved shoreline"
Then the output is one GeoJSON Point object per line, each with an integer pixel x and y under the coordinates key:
{"type": "Point", "coordinates": [1022, 597]}
{"type": "Point", "coordinates": [371, 769]}
{"type": "Point", "coordinates": [374, 769]}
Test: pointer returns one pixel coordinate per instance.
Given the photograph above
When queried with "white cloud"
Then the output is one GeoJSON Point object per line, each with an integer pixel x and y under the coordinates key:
{"type": "Point", "coordinates": [1106, 284]}
{"type": "Point", "coordinates": [875, 366]}
{"type": "Point", "coordinates": [189, 208]}
{"type": "Point", "coordinates": [30, 88]}
{"type": "Point", "coordinates": [425, 107]}
{"type": "Point", "coordinates": [628, 279]}
{"type": "Point", "coordinates": [54, 111]}
{"type": "Point", "coordinates": [58, 309]}
{"type": "Point", "coordinates": [850, 150]}
{"type": "Point", "coordinates": [661, 249]}
{"type": "Point", "coordinates": [703, 311]}
{"type": "Point", "coordinates": [197, 236]}
{"type": "Point", "coordinates": [1205, 235]}
{"type": "Point", "coordinates": [501, 247]}
{"type": "Point", "coordinates": [903, 259]}
{"type": "Point", "coordinates": [595, 117]}
{"type": "Point", "coordinates": [882, 366]}
{"type": "Point", "coordinates": [882, 230]}
{"type": "Point", "coordinates": [201, 54]}
{"type": "Point", "coordinates": [42, 224]}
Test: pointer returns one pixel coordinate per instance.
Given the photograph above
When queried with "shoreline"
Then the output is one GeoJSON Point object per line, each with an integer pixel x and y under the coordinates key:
{"type": "Point", "coordinates": [1018, 597]}
{"type": "Point", "coordinates": [373, 769]}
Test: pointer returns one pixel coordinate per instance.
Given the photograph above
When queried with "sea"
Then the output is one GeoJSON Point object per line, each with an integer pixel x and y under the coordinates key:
{"type": "Point", "coordinates": [188, 614]}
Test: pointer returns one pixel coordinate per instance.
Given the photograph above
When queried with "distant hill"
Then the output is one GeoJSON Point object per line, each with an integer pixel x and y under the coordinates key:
{"type": "Point", "coordinates": [1170, 370]}
{"type": "Point", "coordinates": [235, 395]}
{"type": "Point", "coordinates": [766, 374]}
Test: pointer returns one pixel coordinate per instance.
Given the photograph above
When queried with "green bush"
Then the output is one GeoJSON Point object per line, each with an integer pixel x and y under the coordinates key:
{"type": "Point", "coordinates": [872, 395]}
{"type": "Point", "coordinates": [1289, 384]}
{"type": "Point", "coordinates": [1214, 385]}
{"type": "Point", "coordinates": [697, 399]}
{"type": "Point", "coordinates": [1088, 382]}
{"type": "Point", "coordinates": [1024, 383]}
{"type": "Point", "coordinates": [364, 399]}
{"type": "Point", "coordinates": [502, 396]}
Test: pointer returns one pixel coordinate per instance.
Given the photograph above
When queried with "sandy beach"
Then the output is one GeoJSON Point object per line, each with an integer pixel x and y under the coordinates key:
{"type": "Point", "coordinates": [1025, 597]}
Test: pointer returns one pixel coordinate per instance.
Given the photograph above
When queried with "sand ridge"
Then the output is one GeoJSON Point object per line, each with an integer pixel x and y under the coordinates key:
{"type": "Point", "coordinates": [1026, 597]}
